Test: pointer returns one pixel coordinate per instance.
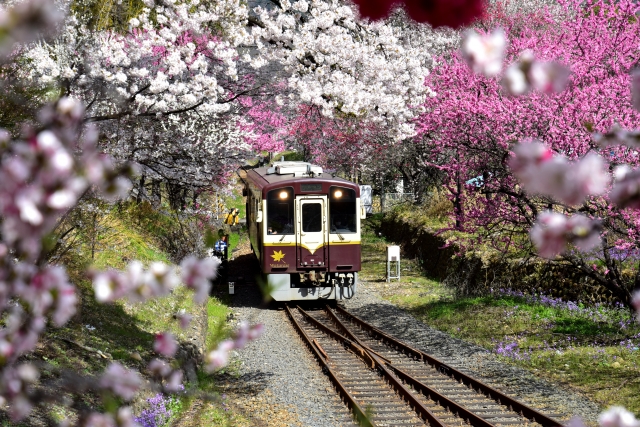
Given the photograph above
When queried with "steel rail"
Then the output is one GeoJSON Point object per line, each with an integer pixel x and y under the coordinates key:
{"type": "Point", "coordinates": [462, 411]}
{"type": "Point", "coordinates": [333, 334]}
{"type": "Point", "coordinates": [433, 394]}
{"type": "Point", "coordinates": [517, 406]}
{"type": "Point", "coordinates": [360, 415]}
{"type": "Point", "coordinates": [395, 382]}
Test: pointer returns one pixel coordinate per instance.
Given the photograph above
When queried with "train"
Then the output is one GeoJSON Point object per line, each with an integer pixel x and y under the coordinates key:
{"type": "Point", "coordinates": [304, 227]}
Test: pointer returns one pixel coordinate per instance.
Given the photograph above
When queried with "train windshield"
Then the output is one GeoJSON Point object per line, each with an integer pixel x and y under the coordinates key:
{"type": "Point", "coordinates": [312, 217]}
{"type": "Point", "coordinates": [342, 210]}
{"type": "Point", "coordinates": [280, 211]}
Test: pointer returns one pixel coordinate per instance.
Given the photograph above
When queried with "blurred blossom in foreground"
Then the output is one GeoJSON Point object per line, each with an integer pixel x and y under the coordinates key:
{"type": "Point", "coordinates": [528, 74]}
{"type": "Point", "coordinates": [165, 344]}
{"type": "Point", "coordinates": [635, 303]}
{"type": "Point", "coordinates": [121, 381]}
{"type": "Point", "coordinates": [138, 285]}
{"type": "Point", "coordinates": [219, 357]}
{"type": "Point", "coordinates": [124, 418]}
{"type": "Point", "coordinates": [15, 384]}
{"type": "Point", "coordinates": [540, 171]}
{"type": "Point", "coordinates": [626, 189]}
{"type": "Point", "coordinates": [617, 136]}
{"type": "Point", "coordinates": [25, 22]}
{"type": "Point", "coordinates": [197, 274]}
{"type": "Point", "coordinates": [553, 231]}
{"type": "Point", "coordinates": [484, 53]}
{"type": "Point", "coordinates": [617, 416]}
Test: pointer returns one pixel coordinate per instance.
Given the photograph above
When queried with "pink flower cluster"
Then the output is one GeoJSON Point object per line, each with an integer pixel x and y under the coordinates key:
{"type": "Point", "coordinates": [540, 171]}
{"type": "Point", "coordinates": [437, 13]}
{"type": "Point", "coordinates": [41, 179]}
{"type": "Point", "coordinates": [219, 357]}
{"type": "Point", "coordinates": [165, 344]}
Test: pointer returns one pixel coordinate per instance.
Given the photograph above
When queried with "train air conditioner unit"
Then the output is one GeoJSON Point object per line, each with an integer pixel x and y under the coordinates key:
{"type": "Point", "coordinates": [295, 168]}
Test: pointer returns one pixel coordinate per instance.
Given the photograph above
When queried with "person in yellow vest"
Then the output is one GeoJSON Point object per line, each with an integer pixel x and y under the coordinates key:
{"type": "Point", "coordinates": [232, 217]}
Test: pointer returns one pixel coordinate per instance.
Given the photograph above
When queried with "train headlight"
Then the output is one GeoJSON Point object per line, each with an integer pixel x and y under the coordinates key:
{"type": "Point", "coordinates": [284, 194]}
{"type": "Point", "coordinates": [337, 194]}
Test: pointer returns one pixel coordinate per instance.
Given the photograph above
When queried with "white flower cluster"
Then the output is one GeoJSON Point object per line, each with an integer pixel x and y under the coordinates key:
{"type": "Point", "coordinates": [374, 71]}
{"type": "Point", "coordinates": [159, 93]}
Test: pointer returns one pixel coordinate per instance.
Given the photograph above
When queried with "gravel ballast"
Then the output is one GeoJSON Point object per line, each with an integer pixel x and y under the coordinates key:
{"type": "Point", "coordinates": [280, 371]}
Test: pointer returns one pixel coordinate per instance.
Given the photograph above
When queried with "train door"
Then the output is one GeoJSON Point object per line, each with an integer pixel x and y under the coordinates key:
{"type": "Point", "coordinates": [311, 232]}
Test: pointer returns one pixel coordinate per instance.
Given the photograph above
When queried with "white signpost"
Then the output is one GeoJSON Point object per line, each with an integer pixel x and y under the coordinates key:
{"type": "Point", "coordinates": [393, 263]}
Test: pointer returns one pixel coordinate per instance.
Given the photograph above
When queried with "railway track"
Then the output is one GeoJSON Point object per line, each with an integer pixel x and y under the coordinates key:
{"type": "Point", "coordinates": [386, 382]}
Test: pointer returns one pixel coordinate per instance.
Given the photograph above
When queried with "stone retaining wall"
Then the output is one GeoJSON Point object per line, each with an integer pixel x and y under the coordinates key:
{"type": "Point", "coordinates": [468, 275]}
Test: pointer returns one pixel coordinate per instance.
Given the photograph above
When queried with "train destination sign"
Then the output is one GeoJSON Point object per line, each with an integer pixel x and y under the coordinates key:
{"type": "Point", "coordinates": [310, 187]}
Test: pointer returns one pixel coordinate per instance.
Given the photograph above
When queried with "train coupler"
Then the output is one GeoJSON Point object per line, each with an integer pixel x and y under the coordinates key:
{"type": "Point", "coordinates": [313, 276]}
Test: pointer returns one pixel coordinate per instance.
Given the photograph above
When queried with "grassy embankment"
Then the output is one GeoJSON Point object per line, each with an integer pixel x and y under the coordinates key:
{"type": "Point", "coordinates": [101, 333]}
{"type": "Point", "coordinates": [592, 349]}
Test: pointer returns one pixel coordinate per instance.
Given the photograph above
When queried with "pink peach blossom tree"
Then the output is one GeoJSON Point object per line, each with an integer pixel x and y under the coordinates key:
{"type": "Point", "coordinates": [475, 123]}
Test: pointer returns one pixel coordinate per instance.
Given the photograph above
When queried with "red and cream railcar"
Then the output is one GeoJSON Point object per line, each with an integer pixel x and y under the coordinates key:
{"type": "Point", "coordinates": [304, 227]}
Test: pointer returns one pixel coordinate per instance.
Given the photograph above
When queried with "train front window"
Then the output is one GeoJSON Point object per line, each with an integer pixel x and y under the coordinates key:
{"type": "Point", "coordinates": [342, 210]}
{"type": "Point", "coordinates": [311, 217]}
{"type": "Point", "coordinates": [280, 211]}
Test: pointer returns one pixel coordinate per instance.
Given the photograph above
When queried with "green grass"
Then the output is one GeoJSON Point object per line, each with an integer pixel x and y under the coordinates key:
{"type": "Point", "coordinates": [122, 243]}
{"type": "Point", "coordinates": [234, 239]}
{"type": "Point", "coordinates": [217, 313]}
{"type": "Point", "coordinates": [374, 269]}
{"type": "Point", "coordinates": [574, 347]}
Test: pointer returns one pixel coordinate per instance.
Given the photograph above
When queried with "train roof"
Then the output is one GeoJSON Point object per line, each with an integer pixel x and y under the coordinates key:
{"type": "Point", "coordinates": [289, 173]}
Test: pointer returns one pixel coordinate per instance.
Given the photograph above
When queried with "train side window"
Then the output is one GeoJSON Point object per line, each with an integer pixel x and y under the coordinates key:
{"type": "Point", "coordinates": [342, 210]}
{"type": "Point", "coordinates": [280, 214]}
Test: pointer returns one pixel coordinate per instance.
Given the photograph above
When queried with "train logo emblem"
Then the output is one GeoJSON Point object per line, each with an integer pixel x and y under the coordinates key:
{"type": "Point", "coordinates": [277, 256]}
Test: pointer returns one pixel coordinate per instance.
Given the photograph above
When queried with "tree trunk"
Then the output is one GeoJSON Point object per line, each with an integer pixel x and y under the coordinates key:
{"type": "Point", "coordinates": [457, 203]}
{"type": "Point", "coordinates": [141, 196]}
{"type": "Point", "coordinates": [156, 197]}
